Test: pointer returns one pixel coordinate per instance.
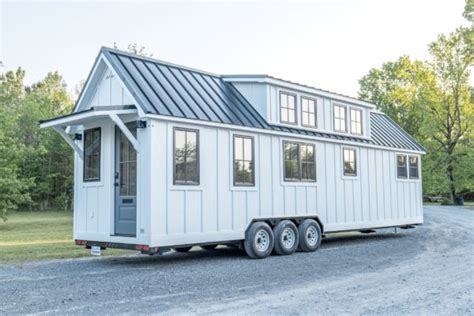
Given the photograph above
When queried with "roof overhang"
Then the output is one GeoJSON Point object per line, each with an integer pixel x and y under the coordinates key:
{"type": "Point", "coordinates": [86, 116]}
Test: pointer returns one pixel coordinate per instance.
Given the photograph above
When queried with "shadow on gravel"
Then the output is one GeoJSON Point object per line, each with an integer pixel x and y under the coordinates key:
{"type": "Point", "coordinates": [172, 257]}
{"type": "Point", "coordinates": [226, 254]}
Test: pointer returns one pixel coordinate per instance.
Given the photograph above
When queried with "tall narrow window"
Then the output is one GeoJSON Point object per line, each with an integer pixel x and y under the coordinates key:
{"type": "Point", "coordinates": [356, 122]}
{"type": "Point", "coordinates": [401, 166]}
{"type": "Point", "coordinates": [186, 156]}
{"type": "Point", "coordinates": [413, 165]}
{"type": "Point", "coordinates": [287, 108]}
{"type": "Point", "coordinates": [340, 119]}
{"type": "Point", "coordinates": [299, 162]}
{"type": "Point", "coordinates": [244, 173]}
{"type": "Point", "coordinates": [350, 162]}
{"type": "Point", "coordinates": [91, 155]}
{"type": "Point", "coordinates": [308, 112]}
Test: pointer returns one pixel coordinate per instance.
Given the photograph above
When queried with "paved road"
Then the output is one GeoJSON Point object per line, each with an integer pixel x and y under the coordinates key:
{"type": "Point", "coordinates": [426, 270]}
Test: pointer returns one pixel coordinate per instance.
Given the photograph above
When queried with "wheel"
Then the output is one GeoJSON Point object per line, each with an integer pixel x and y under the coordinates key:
{"type": "Point", "coordinates": [310, 235]}
{"type": "Point", "coordinates": [259, 241]}
{"type": "Point", "coordinates": [182, 249]}
{"type": "Point", "coordinates": [209, 247]}
{"type": "Point", "coordinates": [286, 237]}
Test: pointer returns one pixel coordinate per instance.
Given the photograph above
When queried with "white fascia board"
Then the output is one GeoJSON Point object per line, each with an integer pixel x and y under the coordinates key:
{"type": "Point", "coordinates": [78, 119]}
{"type": "Point", "coordinates": [88, 90]}
{"type": "Point", "coordinates": [276, 133]}
{"type": "Point", "coordinates": [300, 88]}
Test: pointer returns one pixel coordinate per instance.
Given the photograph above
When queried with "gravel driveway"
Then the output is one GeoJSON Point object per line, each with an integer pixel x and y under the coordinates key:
{"type": "Point", "coordinates": [428, 270]}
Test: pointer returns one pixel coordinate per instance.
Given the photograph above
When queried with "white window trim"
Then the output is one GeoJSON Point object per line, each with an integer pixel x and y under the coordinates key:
{"type": "Point", "coordinates": [357, 163]}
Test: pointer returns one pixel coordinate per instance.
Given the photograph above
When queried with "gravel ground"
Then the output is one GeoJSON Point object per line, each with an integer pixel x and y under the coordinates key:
{"type": "Point", "coordinates": [427, 270]}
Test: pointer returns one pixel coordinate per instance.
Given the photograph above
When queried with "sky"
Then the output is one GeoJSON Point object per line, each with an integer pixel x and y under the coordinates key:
{"type": "Point", "coordinates": [325, 44]}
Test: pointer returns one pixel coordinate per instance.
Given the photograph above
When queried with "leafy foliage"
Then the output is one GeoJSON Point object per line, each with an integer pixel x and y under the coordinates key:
{"type": "Point", "coordinates": [35, 165]}
{"type": "Point", "coordinates": [432, 100]}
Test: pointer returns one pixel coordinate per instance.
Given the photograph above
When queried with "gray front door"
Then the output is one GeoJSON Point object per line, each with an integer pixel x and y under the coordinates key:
{"type": "Point", "coordinates": [125, 184]}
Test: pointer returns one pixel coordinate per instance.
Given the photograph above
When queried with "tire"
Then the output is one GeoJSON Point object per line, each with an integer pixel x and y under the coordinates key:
{"type": "Point", "coordinates": [209, 247]}
{"type": "Point", "coordinates": [182, 249]}
{"type": "Point", "coordinates": [259, 240]}
{"type": "Point", "coordinates": [286, 238]}
{"type": "Point", "coordinates": [310, 235]}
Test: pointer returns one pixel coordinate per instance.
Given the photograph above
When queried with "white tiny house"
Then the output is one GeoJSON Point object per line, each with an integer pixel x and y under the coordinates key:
{"type": "Point", "coordinates": [170, 157]}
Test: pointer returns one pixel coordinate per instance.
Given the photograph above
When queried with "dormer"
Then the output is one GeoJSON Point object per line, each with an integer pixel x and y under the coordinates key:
{"type": "Point", "coordinates": [293, 105]}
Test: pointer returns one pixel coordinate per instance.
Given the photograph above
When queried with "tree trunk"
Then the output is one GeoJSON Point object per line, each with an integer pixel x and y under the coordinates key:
{"type": "Point", "coordinates": [450, 173]}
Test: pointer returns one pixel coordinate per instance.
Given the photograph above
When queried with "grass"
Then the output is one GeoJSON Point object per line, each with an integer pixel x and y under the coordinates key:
{"type": "Point", "coordinates": [28, 236]}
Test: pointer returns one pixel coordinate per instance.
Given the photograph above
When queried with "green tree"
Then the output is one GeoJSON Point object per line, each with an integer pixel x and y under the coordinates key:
{"type": "Point", "coordinates": [13, 188]}
{"type": "Point", "coordinates": [432, 101]}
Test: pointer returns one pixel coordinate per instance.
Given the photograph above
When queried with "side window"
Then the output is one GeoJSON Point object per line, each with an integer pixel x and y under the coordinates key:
{"type": "Point", "coordinates": [401, 166]}
{"type": "Point", "coordinates": [287, 108]}
{"type": "Point", "coordinates": [186, 156]}
{"type": "Point", "coordinates": [308, 112]}
{"type": "Point", "coordinates": [356, 122]}
{"type": "Point", "coordinates": [92, 139]}
{"type": "Point", "coordinates": [340, 124]}
{"type": "Point", "coordinates": [299, 162]}
{"type": "Point", "coordinates": [350, 162]}
{"type": "Point", "coordinates": [413, 167]}
{"type": "Point", "coordinates": [244, 161]}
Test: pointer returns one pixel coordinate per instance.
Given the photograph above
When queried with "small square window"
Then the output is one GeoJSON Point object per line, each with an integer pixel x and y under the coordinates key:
{"type": "Point", "coordinates": [308, 112]}
{"type": "Point", "coordinates": [401, 166]}
{"type": "Point", "coordinates": [287, 108]}
{"type": "Point", "coordinates": [340, 124]}
{"type": "Point", "coordinates": [350, 162]}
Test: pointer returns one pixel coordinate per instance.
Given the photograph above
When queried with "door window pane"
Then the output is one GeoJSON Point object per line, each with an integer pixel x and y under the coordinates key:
{"type": "Point", "coordinates": [91, 161]}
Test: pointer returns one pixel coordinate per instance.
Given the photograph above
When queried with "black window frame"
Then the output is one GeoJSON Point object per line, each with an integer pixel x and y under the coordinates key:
{"type": "Point", "coordinates": [243, 184]}
{"type": "Point", "coordinates": [85, 155]}
{"type": "Point", "coordinates": [198, 160]}
{"type": "Point", "coordinates": [346, 129]}
{"type": "Point", "coordinates": [300, 178]}
{"type": "Point", "coordinates": [356, 170]}
{"type": "Point", "coordinates": [361, 121]}
{"type": "Point", "coordinates": [410, 167]}
{"type": "Point", "coordinates": [294, 96]}
{"type": "Point", "coordinates": [399, 167]}
{"type": "Point", "coordinates": [309, 113]}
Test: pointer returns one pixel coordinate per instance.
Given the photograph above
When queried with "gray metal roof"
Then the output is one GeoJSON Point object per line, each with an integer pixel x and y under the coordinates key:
{"type": "Point", "coordinates": [172, 90]}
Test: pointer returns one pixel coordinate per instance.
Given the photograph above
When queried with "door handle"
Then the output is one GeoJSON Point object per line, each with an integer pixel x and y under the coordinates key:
{"type": "Point", "coordinates": [116, 179]}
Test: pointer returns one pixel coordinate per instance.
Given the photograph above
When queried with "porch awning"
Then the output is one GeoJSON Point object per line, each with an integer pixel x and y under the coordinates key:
{"type": "Point", "coordinates": [79, 118]}
{"type": "Point", "coordinates": [60, 123]}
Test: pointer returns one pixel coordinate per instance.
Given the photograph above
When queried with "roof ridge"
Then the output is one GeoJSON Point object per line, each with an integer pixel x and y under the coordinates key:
{"type": "Point", "coordinates": [158, 61]}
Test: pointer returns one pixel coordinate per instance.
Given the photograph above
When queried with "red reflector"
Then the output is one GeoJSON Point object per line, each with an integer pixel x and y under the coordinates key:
{"type": "Point", "coordinates": [146, 248]}
{"type": "Point", "coordinates": [80, 242]}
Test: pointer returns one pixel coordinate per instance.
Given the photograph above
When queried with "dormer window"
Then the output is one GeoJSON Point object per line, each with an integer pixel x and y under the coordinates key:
{"type": "Point", "coordinates": [356, 121]}
{"type": "Point", "coordinates": [287, 108]}
{"type": "Point", "coordinates": [340, 124]}
{"type": "Point", "coordinates": [308, 112]}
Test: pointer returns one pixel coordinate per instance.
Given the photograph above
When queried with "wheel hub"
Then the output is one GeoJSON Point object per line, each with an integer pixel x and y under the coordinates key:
{"type": "Point", "coordinates": [262, 240]}
{"type": "Point", "coordinates": [288, 238]}
{"type": "Point", "coordinates": [312, 236]}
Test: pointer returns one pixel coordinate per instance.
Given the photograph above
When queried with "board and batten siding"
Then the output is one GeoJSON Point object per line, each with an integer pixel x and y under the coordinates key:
{"type": "Point", "coordinates": [216, 210]}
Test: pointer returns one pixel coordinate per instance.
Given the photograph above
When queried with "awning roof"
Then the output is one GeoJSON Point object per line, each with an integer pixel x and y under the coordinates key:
{"type": "Point", "coordinates": [79, 118]}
